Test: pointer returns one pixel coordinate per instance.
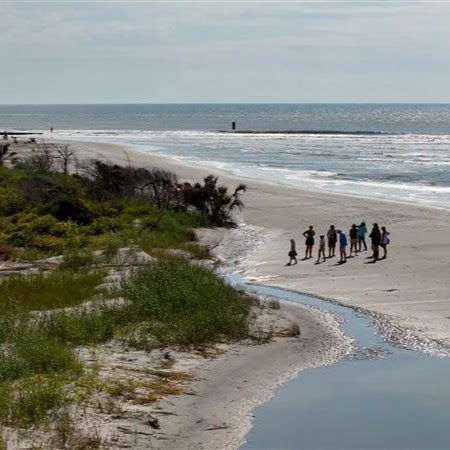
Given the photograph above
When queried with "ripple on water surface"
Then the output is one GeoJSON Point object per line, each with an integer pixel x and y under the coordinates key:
{"type": "Point", "coordinates": [383, 397]}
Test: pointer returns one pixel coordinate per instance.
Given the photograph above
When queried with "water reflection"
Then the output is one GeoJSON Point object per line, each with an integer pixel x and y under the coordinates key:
{"type": "Point", "coordinates": [384, 398]}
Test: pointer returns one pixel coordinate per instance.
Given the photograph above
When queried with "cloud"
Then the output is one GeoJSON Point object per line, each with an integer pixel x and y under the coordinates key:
{"type": "Point", "coordinates": [313, 48]}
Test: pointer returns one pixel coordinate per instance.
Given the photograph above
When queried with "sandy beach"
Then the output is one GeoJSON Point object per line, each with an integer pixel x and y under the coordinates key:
{"type": "Point", "coordinates": [411, 286]}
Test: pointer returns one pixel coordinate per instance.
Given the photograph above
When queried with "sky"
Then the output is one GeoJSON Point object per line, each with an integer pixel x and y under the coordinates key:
{"type": "Point", "coordinates": [224, 51]}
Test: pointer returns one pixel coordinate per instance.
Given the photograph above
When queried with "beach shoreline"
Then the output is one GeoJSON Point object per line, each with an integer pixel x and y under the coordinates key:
{"type": "Point", "coordinates": [410, 287]}
{"type": "Point", "coordinates": [216, 410]}
{"type": "Point", "coordinates": [374, 169]}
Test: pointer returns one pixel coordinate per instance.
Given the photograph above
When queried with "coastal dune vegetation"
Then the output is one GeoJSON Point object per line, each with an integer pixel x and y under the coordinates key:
{"type": "Point", "coordinates": [63, 224]}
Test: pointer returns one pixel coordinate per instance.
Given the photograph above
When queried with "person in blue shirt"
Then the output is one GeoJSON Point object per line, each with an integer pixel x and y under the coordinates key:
{"type": "Point", "coordinates": [362, 231]}
{"type": "Point", "coordinates": [342, 246]}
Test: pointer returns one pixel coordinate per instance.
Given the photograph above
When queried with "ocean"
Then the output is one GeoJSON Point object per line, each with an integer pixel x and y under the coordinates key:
{"type": "Point", "coordinates": [397, 152]}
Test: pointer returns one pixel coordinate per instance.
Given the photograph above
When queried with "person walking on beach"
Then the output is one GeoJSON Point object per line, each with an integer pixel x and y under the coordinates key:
{"type": "Point", "coordinates": [321, 249]}
{"type": "Point", "coordinates": [362, 231]}
{"type": "Point", "coordinates": [292, 253]}
{"type": "Point", "coordinates": [353, 233]}
{"type": "Point", "coordinates": [375, 237]}
{"type": "Point", "coordinates": [332, 239]}
{"type": "Point", "coordinates": [384, 241]}
{"type": "Point", "coordinates": [309, 235]}
{"type": "Point", "coordinates": [342, 246]}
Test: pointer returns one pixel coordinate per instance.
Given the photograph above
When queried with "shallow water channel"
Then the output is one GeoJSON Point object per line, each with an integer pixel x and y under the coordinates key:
{"type": "Point", "coordinates": [382, 397]}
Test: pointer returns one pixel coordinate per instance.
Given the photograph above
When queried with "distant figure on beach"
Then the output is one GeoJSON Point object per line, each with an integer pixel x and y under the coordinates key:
{"type": "Point", "coordinates": [362, 231]}
{"type": "Point", "coordinates": [384, 241]}
{"type": "Point", "coordinates": [353, 233]}
{"type": "Point", "coordinates": [5, 136]}
{"type": "Point", "coordinates": [309, 235]}
{"type": "Point", "coordinates": [342, 246]}
{"type": "Point", "coordinates": [292, 253]}
{"type": "Point", "coordinates": [51, 129]}
{"type": "Point", "coordinates": [332, 239]}
{"type": "Point", "coordinates": [321, 249]}
{"type": "Point", "coordinates": [375, 237]}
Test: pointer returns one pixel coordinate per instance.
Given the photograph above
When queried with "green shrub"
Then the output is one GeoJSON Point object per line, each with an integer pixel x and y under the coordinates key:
{"type": "Point", "coordinates": [71, 209]}
{"type": "Point", "coordinates": [104, 225]}
{"type": "Point", "coordinates": [76, 260]}
{"type": "Point", "coordinates": [47, 243]}
{"type": "Point", "coordinates": [11, 201]}
{"type": "Point", "coordinates": [46, 225]}
{"type": "Point", "coordinates": [136, 210]}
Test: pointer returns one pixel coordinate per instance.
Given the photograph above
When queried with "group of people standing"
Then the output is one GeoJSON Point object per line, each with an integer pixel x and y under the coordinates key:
{"type": "Point", "coordinates": [357, 234]}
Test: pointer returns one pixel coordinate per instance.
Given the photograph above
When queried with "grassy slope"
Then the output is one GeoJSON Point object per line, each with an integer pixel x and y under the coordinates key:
{"type": "Point", "coordinates": [170, 302]}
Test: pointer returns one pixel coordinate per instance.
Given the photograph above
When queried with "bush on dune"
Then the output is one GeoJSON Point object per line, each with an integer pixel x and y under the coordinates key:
{"type": "Point", "coordinates": [213, 200]}
{"type": "Point", "coordinates": [50, 212]}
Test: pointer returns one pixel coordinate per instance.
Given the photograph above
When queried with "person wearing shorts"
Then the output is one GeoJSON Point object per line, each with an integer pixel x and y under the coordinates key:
{"type": "Point", "coordinates": [332, 239]}
{"type": "Point", "coordinates": [309, 235]}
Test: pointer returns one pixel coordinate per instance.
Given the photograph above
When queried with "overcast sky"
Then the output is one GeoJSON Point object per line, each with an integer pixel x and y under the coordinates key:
{"type": "Point", "coordinates": [228, 51]}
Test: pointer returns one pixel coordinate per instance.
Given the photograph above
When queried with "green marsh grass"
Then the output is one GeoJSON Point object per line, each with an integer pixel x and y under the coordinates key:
{"type": "Point", "coordinates": [61, 288]}
{"type": "Point", "coordinates": [185, 304]}
{"type": "Point", "coordinates": [34, 352]}
{"type": "Point", "coordinates": [94, 326]}
{"type": "Point", "coordinates": [170, 302]}
{"type": "Point", "coordinates": [28, 401]}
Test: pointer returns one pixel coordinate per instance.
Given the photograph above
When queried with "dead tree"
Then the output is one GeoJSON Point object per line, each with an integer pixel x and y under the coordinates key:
{"type": "Point", "coordinates": [66, 155]}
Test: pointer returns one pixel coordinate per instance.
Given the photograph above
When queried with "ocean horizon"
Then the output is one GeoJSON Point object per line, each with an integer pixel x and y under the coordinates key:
{"type": "Point", "coordinates": [398, 152]}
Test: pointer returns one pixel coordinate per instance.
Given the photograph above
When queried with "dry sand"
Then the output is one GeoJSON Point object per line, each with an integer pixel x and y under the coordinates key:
{"type": "Point", "coordinates": [412, 285]}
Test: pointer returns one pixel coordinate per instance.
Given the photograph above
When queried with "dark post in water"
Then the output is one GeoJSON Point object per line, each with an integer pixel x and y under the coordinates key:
{"type": "Point", "coordinates": [233, 125]}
